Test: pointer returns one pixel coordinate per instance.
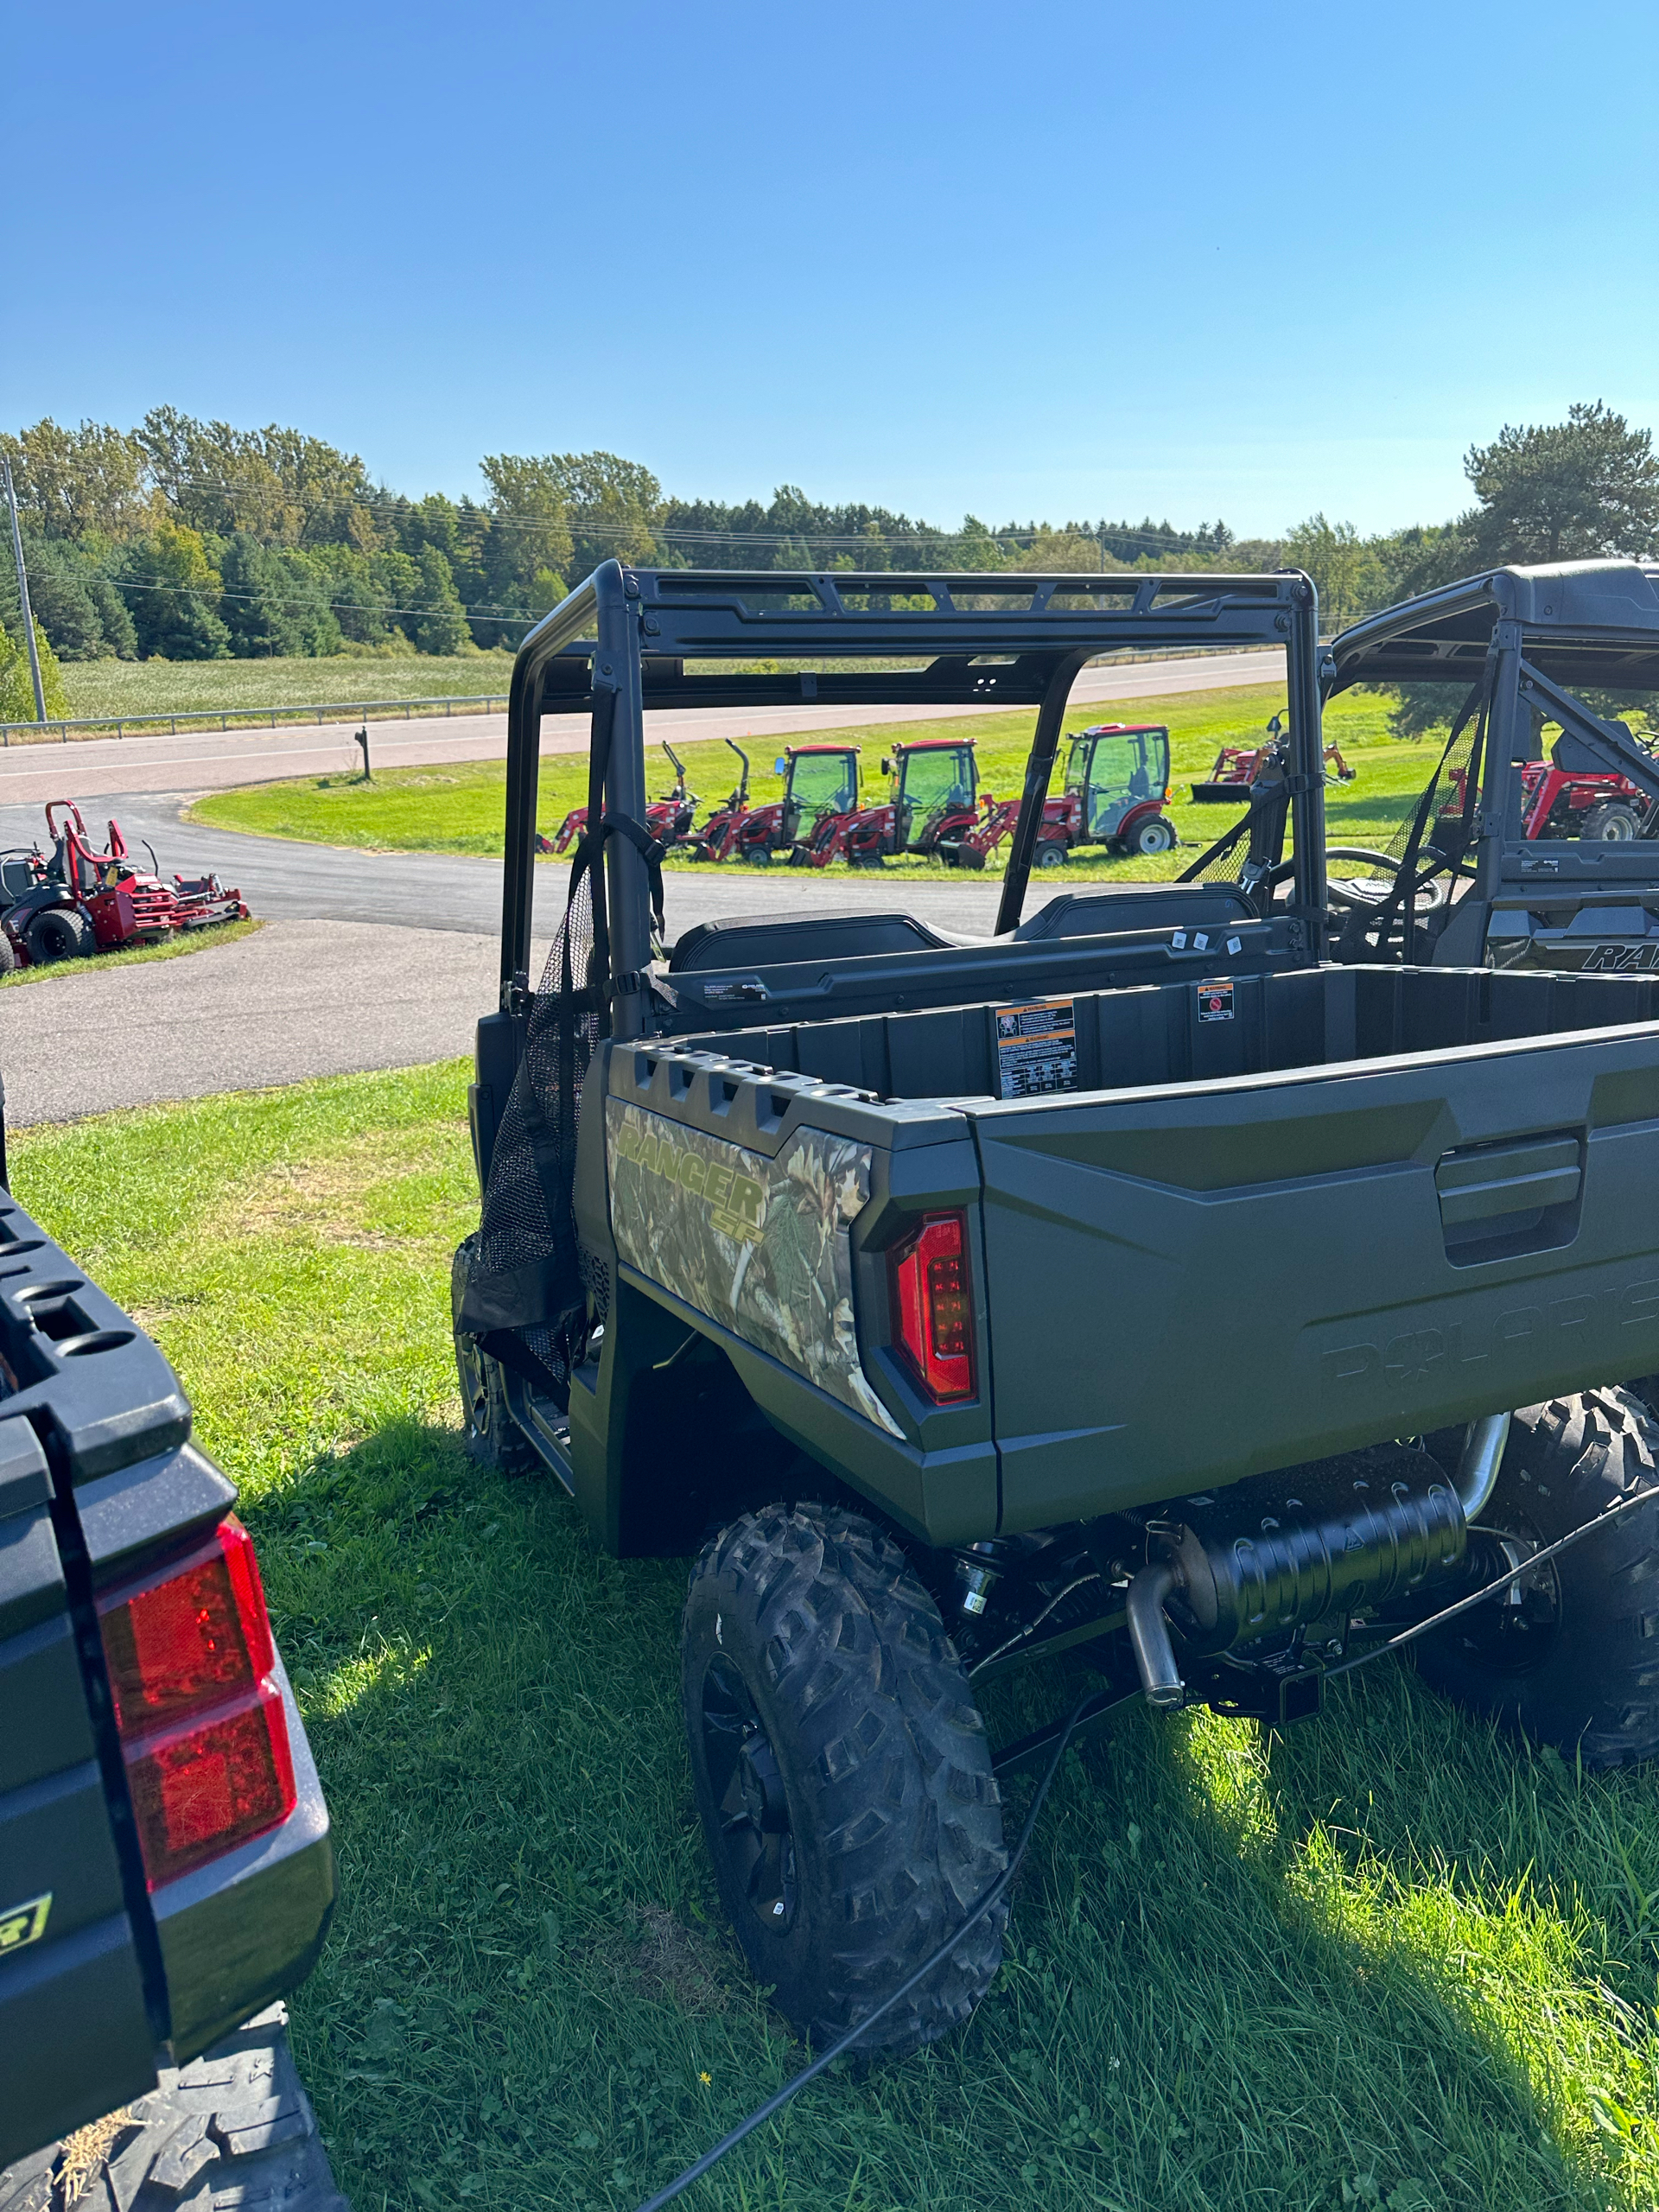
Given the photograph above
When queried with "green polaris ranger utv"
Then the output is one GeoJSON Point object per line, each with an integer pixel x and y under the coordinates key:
{"type": "Point", "coordinates": [899, 1277]}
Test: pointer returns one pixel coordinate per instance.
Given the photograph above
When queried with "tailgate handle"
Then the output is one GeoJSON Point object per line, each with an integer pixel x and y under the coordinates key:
{"type": "Point", "coordinates": [1493, 1191]}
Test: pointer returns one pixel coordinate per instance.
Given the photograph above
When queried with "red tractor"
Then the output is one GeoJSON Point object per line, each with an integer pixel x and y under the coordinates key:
{"type": "Point", "coordinates": [1116, 785]}
{"type": "Point", "coordinates": [820, 787]}
{"type": "Point", "coordinates": [1558, 802]}
{"type": "Point", "coordinates": [82, 901]}
{"type": "Point", "coordinates": [668, 817]}
{"type": "Point", "coordinates": [1237, 767]}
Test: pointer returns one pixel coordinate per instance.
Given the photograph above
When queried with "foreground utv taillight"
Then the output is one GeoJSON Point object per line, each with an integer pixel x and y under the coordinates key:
{"type": "Point", "coordinates": [192, 1668]}
{"type": "Point", "coordinates": [933, 1305]}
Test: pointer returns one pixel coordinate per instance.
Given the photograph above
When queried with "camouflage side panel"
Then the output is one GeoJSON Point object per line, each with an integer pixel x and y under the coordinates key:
{"type": "Point", "coordinates": [758, 1245]}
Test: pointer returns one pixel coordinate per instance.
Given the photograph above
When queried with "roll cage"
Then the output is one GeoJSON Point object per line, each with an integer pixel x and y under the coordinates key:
{"type": "Point", "coordinates": [1523, 641]}
{"type": "Point", "coordinates": [628, 639]}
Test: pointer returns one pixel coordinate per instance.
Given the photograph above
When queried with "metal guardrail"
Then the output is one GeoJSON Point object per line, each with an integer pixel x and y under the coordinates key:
{"type": "Point", "coordinates": [199, 718]}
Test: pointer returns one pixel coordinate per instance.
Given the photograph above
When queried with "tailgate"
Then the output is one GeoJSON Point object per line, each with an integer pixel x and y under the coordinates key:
{"type": "Point", "coordinates": [1190, 1284]}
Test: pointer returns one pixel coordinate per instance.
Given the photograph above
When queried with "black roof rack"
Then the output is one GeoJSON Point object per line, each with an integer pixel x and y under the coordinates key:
{"type": "Point", "coordinates": [1586, 624]}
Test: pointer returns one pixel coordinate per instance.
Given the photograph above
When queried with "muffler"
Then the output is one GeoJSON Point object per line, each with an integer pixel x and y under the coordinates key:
{"type": "Point", "coordinates": [1284, 1551]}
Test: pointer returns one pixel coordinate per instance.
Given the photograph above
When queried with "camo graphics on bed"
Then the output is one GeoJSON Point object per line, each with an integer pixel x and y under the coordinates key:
{"type": "Point", "coordinates": [760, 1245]}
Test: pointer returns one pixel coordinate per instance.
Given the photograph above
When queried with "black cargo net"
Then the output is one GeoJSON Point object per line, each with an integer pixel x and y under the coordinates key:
{"type": "Point", "coordinates": [528, 1276]}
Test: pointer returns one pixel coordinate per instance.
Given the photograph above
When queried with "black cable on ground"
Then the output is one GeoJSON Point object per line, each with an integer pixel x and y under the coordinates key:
{"type": "Point", "coordinates": [1504, 1582]}
{"type": "Point", "coordinates": [992, 1898]}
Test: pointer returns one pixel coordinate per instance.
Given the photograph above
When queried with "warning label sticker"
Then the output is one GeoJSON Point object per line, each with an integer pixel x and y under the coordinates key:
{"type": "Point", "coordinates": [1216, 999]}
{"type": "Point", "coordinates": [1036, 1048]}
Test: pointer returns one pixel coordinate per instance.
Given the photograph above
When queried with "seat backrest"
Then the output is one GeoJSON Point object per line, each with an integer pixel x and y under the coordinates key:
{"type": "Point", "coordinates": [1109, 910]}
{"type": "Point", "coordinates": [779, 940]}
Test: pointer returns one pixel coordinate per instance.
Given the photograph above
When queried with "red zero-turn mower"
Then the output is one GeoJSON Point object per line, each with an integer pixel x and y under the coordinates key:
{"type": "Point", "coordinates": [669, 818]}
{"type": "Point", "coordinates": [82, 901]}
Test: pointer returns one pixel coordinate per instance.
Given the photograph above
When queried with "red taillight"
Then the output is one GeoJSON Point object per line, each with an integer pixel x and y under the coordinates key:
{"type": "Point", "coordinates": [933, 1305]}
{"type": "Point", "coordinates": [202, 1727]}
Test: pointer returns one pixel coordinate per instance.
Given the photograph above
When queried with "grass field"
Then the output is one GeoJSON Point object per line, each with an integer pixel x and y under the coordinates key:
{"type": "Point", "coordinates": [1384, 1962]}
{"type": "Point", "coordinates": [135, 956]}
{"type": "Point", "coordinates": [459, 810]}
{"type": "Point", "coordinates": [168, 687]}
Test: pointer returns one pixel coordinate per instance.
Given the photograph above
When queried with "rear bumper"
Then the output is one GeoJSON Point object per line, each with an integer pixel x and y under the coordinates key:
{"type": "Point", "coordinates": [248, 1928]}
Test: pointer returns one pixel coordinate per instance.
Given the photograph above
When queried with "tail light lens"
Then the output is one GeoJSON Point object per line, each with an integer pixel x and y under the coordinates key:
{"type": "Point", "coordinates": [933, 1305]}
{"type": "Point", "coordinates": [191, 1665]}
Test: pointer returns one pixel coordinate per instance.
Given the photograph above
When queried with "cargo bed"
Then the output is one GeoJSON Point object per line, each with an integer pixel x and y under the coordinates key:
{"type": "Point", "coordinates": [1459, 1162]}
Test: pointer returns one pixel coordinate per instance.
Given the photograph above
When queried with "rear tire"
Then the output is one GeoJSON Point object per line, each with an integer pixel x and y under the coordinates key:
{"type": "Point", "coordinates": [493, 1438]}
{"type": "Point", "coordinates": [841, 1774]}
{"type": "Point", "coordinates": [233, 2129]}
{"type": "Point", "coordinates": [1611, 823]}
{"type": "Point", "coordinates": [1575, 1664]}
{"type": "Point", "coordinates": [1155, 835]}
{"type": "Point", "coordinates": [60, 933]}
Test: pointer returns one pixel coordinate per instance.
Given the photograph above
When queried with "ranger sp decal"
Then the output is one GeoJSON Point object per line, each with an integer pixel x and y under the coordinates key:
{"type": "Point", "coordinates": [24, 1924]}
{"type": "Point", "coordinates": [761, 1246]}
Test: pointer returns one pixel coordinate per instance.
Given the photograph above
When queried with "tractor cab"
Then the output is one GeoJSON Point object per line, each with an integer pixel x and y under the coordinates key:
{"type": "Point", "coordinates": [1117, 776]}
{"type": "Point", "coordinates": [933, 780]}
{"type": "Point", "coordinates": [818, 780]}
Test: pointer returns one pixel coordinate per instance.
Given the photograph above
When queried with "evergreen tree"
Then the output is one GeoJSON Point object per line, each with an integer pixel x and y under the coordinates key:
{"type": "Point", "coordinates": [1565, 491]}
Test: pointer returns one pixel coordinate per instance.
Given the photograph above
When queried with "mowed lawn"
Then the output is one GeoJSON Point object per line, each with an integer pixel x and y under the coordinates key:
{"type": "Point", "coordinates": [1387, 1959]}
{"type": "Point", "coordinates": [459, 809]}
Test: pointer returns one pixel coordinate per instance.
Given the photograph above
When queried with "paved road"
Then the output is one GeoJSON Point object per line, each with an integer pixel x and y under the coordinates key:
{"type": "Point", "coordinates": [207, 761]}
{"type": "Point", "coordinates": [297, 999]}
{"type": "Point", "coordinates": [284, 879]}
{"type": "Point", "coordinates": [368, 960]}
{"type": "Point", "coordinates": [326, 987]}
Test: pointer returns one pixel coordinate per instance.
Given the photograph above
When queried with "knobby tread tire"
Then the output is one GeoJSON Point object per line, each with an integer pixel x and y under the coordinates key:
{"type": "Point", "coordinates": [232, 2131]}
{"type": "Point", "coordinates": [895, 1814]}
{"type": "Point", "coordinates": [493, 1437]}
{"type": "Point", "coordinates": [1595, 1695]}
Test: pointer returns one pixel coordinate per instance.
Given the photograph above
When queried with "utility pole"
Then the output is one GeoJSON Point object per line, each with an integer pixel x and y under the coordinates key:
{"type": "Point", "coordinates": [23, 591]}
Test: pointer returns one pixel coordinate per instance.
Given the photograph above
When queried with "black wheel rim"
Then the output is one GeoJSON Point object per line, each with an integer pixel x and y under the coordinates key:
{"type": "Point", "coordinates": [475, 1387]}
{"type": "Point", "coordinates": [1514, 1635]}
{"type": "Point", "coordinates": [750, 1806]}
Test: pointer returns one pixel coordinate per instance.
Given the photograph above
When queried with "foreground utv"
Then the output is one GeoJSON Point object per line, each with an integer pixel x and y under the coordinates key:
{"type": "Point", "coordinates": [166, 1865]}
{"type": "Point", "coordinates": [958, 1301]}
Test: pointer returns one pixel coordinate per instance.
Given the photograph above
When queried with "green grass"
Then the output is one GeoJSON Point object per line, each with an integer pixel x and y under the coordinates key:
{"type": "Point", "coordinates": [168, 687]}
{"type": "Point", "coordinates": [1386, 1960]}
{"type": "Point", "coordinates": [135, 956]}
{"type": "Point", "coordinates": [460, 809]}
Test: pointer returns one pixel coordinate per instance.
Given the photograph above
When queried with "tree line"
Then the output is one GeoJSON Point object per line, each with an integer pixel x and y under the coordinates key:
{"type": "Point", "coordinates": [192, 540]}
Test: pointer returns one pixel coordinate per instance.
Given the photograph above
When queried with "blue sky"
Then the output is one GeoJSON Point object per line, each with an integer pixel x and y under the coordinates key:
{"type": "Point", "coordinates": [1029, 261]}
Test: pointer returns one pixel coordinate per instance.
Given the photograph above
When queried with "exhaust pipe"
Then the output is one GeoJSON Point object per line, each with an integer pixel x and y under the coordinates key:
{"type": "Point", "coordinates": [1154, 1655]}
{"type": "Point", "coordinates": [1307, 1545]}
{"type": "Point", "coordinates": [1483, 1455]}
